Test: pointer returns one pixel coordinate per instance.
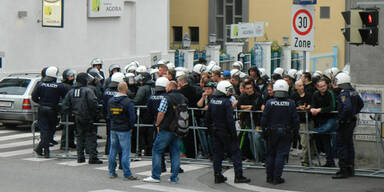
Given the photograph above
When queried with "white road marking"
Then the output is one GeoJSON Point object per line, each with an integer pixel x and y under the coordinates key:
{"type": "Point", "coordinates": [73, 163]}
{"type": "Point", "coordinates": [133, 164]}
{"type": "Point", "coordinates": [21, 143]}
{"type": "Point", "coordinates": [7, 131]}
{"type": "Point", "coordinates": [38, 159]}
{"type": "Point", "coordinates": [23, 152]}
{"type": "Point", "coordinates": [163, 188]}
{"type": "Point", "coordinates": [185, 167]}
{"type": "Point", "coordinates": [18, 136]}
{"type": "Point", "coordinates": [230, 176]}
{"type": "Point", "coordinates": [106, 190]}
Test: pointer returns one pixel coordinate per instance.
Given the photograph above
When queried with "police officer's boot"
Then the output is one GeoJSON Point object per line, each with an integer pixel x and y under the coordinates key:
{"type": "Point", "coordinates": [219, 178]}
{"type": "Point", "coordinates": [351, 171]}
{"type": "Point", "coordinates": [38, 150]}
{"type": "Point", "coordinates": [242, 179]}
{"type": "Point", "coordinates": [46, 152]}
{"type": "Point", "coordinates": [95, 160]}
{"type": "Point", "coordinates": [278, 181]}
{"type": "Point", "coordinates": [342, 174]}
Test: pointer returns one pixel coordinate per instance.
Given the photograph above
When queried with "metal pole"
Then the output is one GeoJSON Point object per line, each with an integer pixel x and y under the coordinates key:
{"type": "Point", "coordinates": [308, 139]}
{"type": "Point", "coordinates": [66, 135]}
{"type": "Point", "coordinates": [194, 132]}
{"type": "Point", "coordinates": [305, 61]}
{"type": "Point", "coordinates": [378, 137]}
{"type": "Point", "coordinates": [137, 132]}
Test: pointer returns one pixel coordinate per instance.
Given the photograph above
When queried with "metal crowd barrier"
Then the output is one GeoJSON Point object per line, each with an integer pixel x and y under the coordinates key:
{"type": "Point", "coordinates": [376, 172]}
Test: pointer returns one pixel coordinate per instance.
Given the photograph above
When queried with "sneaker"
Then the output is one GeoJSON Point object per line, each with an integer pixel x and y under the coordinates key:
{"type": "Point", "coordinates": [172, 182]}
{"type": "Point", "coordinates": [151, 180]}
{"type": "Point", "coordinates": [95, 161]}
{"type": "Point", "coordinates": [131, 178]}
{"type": "Point", "coordinates": [113, 176]}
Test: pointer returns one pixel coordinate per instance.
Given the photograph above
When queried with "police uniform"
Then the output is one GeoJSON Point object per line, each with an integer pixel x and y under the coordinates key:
{"type": "Point", "coordinates": [82, 102]}
{"type": "Point", "coordinates": [221, 126]}
{"type": "Point", "coordinates": [279, 120]}
{"type": "Point", "coordinates": [349, 103]}
{"type": "Point", "coordinates": [47, 95]}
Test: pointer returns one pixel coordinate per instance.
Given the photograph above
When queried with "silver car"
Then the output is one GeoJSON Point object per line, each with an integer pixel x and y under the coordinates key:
{"type": "Point", "coordinates": [16, 105]}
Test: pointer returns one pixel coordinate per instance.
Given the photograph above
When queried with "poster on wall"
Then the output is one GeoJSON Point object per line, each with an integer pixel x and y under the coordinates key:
{"type": "Point", "coordinates": [372, 103]}
{"type": "Point", "coordinates": [53, 13]}
{"type": "Point", "coordinates": [105, 8]}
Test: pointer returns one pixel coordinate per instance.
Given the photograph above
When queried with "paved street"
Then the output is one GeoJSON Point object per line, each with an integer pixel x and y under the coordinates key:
{"type": "Point", "coordinates": [19, 165]}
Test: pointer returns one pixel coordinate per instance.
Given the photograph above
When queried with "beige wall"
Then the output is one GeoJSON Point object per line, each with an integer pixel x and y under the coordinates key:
{"type": "Point", "coordinates": [190, 13]}
{"type": "Point", "coordinates": [327, 31]}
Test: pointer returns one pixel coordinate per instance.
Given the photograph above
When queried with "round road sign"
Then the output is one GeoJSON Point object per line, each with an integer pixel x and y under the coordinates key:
{"type": "Point", "coordinates": [302, 22]}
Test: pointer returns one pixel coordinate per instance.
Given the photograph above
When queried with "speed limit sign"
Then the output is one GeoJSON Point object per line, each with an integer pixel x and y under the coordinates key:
{"type": "Point", "coordinates": [302, 35]}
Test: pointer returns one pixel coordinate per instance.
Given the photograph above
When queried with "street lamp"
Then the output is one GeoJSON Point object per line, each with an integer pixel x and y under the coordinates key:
{"type": "Point", "coordinates": [285, 41]}
{"type": "Point", "coordinates": [212, 38]}
{"type": "Point", "coordinates": [186, 41]}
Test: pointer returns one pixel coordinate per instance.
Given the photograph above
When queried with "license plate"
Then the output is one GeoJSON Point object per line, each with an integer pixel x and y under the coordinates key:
{"type": "Point", "coordinates": [5, 104]}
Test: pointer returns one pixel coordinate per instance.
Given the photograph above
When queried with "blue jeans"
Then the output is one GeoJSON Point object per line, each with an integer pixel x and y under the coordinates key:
{"type": "Point", "coordinates": [120, 140]}
{"type": "Point", "coordinates": [162, 141]}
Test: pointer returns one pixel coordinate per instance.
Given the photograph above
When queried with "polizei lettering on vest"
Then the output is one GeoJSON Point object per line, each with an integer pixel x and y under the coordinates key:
{"type": "Point", "coordinates": [216, 102]}
{"type": "Point", "coordinates": [49, 85]}
{"type": "Point", "coordinates": [280, 103]}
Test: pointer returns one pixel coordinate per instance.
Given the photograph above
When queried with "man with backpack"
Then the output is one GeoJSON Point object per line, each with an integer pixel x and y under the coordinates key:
{"type": "Point", "coordinates": [171, 111]}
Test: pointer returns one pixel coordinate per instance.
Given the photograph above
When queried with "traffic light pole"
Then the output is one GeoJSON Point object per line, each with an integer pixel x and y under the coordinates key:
{"type": "Point", "coordinates": [305, 61]}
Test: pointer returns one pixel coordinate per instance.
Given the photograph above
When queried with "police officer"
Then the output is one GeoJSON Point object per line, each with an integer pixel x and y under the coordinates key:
{"type": "Point", "coordinates": [98, 64]}
{"type": "Point", "coordinates": [145, 90]}
{"type": "Point", "coordinates": [67, 81]}
{"type": "Point", "coordinates": [221, 126]}
{"type": "Point", "coordinates": [109, 92]}
{"type": "Point", "coordinates": [114, 68]}
{"type": "Point", "coordinates": [279, 122]}
{"type": "Point", "coordinates": [47, 95]}
{"type": "Point", "coordinates": [82, 102]}
{"type": "Point", "coordinates": [349, 103]}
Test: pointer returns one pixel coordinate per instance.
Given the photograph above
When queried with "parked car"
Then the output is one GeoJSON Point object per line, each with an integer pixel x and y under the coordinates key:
{"type": "Point", "coordinates": [16, 105]}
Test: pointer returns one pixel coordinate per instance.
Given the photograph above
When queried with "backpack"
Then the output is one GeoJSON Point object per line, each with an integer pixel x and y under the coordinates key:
{"type": "Point", "coordinates": [180, 122]}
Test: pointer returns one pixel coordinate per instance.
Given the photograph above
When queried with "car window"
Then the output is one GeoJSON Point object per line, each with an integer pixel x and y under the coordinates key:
{"type": "Point", "coordinates": [14, 86]}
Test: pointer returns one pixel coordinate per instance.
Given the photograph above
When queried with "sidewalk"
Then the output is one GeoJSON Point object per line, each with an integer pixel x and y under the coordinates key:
{"type": "Point", "coordinates": [306, 182]}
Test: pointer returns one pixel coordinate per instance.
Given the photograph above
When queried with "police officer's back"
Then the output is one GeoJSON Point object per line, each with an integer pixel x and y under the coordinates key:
{"type": "Point", "coordinates": [82, 102]}
{"type": "Point", "coordinates": [221, 126]}
{"type": "Point", "coordinates": [349, 103]}
{"type": "Point", "coordinates": [279, 121]}
{"type": "Point", "coordinates": [47, 94]}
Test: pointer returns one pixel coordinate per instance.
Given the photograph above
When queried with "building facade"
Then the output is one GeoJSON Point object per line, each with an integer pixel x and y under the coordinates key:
{"type": "Point", "coordinates": [141, 29]}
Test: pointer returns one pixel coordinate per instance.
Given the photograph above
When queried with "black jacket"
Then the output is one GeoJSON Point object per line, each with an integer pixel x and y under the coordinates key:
{"type": "Point", "coordinates": [220, 115]}
{"type": "Point", "coordinates": [121, 112]}
{"type": "Point", "coordinates": [82, 102]}
{"type": "Point", "coordinates": [48, 93]}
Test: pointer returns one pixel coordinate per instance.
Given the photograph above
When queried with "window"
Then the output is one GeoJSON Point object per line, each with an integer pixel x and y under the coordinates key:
{"type": "Point", "coordinates": [194, 31]}
{"type": "Point", "coordinates": [238, 7]}
{"type": "Point", "coordinates": [325, 12]}
{"type": "Point", "coordinates": [14, 86]}
{"type": "Point", "coordinates": [220, 7]}
{"type": "Point", "coordinates": [177, 34]}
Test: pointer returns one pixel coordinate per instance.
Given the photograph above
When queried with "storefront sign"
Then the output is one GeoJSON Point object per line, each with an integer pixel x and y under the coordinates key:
{"type": "Point", "coordinates": [105, 8]}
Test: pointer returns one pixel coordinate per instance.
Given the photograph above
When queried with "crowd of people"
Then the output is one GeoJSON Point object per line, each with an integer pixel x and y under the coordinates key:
{"type": "Point", "coordinates": [215, 95]}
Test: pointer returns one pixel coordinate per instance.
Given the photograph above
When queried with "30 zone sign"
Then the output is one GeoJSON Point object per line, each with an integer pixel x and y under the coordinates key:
{"type": "Point", "coordinates": [302, 37]}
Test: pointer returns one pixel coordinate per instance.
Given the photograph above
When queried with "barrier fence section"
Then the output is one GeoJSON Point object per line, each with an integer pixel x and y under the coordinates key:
{"type": "Point", "coordinates": [195, 128]}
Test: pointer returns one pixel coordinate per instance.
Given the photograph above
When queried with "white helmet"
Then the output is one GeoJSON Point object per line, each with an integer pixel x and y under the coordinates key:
{"type": "Point", "coordinates": [262, 72]}
{"type": "Point", "coordinates": [298, 74]}
{"type": "Point", "coordinates": [280, 88]}
{"type": "Point", "coordinates": [161, 82]}
{"type": "Point", "coordinates": [179, 73]}
{"type": "Point", "coordinates": [292, 73]}
{"type": "Point", "coordinates": [235, 72]}
{"type": "Point", "coordinates": [317, 74]}
{"type": "Point", "coordinates": [334, 71]}
{"type": "Point", "coordinates": [153, 71]}
{"type": "Point", "coordinates": [225, 87]}
{"type": "Point", "coordinates": [212, 63]}
{"type": "Point", "coordinates": [242, 75]}
{"type": "Point", "coordinates": [96, 61]}
{"type": "Point", "coordinates": [52, 72]}
{"type": "Point", "coordinates": [199, 68]}
{"type": "Point", "coordinates": [238, 64]}
{"type": "Point", "coordinates": [161, 62]}
{"type": "Point", "coordinates": [279, 71]}
{"type": "Point", "coordinates": [342, 78]}
{"type": "Point", "coordinates": [127, 75]}
{"type": "Point", "coordinates": [141, 69]}
{"type": "Point", "coordinates": [117, 77]}
{"type": "Point", "coordinates": [171, 65]}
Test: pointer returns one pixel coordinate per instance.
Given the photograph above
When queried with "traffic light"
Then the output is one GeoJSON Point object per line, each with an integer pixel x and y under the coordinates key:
{"type": "Point", "coordinates": [351, 33]}
{"type": "Point", "coordinates": [362, 26]}
{"type": "Point", "coordinates": [369, 33]}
